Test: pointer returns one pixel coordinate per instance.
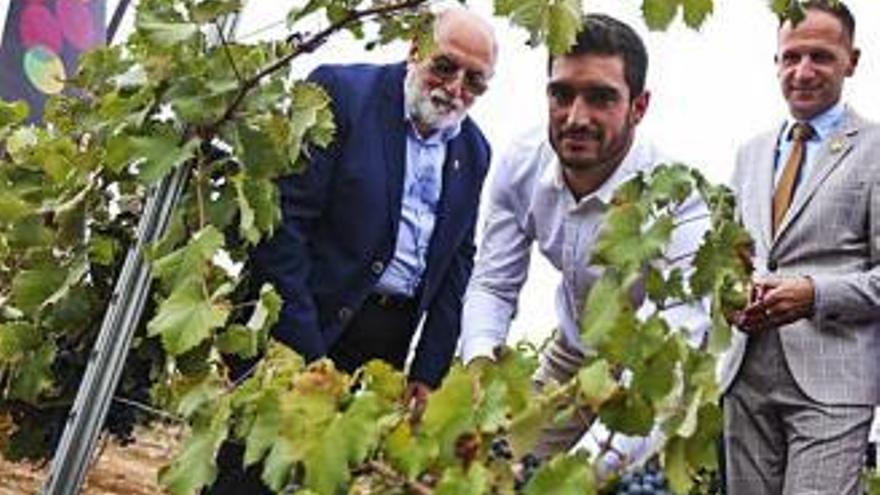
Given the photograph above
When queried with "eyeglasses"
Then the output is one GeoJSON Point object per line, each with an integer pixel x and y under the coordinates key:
{"type": "Point", "coordinates": [446, 69]}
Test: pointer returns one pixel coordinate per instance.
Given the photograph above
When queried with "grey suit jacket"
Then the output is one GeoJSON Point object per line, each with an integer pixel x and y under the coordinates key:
{"type": "Point", "coordinates": [831, 233]}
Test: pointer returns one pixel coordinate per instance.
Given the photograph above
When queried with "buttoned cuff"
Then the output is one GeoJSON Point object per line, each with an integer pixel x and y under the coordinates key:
{"type": "Point", "coordinates": [478, 346]}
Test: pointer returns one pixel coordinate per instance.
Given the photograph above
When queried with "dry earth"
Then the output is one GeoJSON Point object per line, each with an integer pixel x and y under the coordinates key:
{"type": "Point", "coordinates": [129, 470]}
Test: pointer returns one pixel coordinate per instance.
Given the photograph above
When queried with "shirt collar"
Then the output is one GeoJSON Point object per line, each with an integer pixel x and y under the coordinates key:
{"type": "Point", "coordinates": [824, 124]}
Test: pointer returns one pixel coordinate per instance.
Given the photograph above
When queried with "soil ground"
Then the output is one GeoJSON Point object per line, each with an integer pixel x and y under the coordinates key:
{"type": "Point", "coordinates": [128, 470]}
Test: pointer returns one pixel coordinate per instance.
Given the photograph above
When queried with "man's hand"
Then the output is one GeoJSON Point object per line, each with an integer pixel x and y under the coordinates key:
{"type": "Point", "coordinates": [777, 301]}
{"type": "Point", "coordinates": [415, 397]}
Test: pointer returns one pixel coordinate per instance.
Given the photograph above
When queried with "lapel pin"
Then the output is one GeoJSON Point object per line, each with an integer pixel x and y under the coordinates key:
{"type": "Point", "coordinates": [837, 145]}
{"type": "Point", "coordinates": [455, 165]}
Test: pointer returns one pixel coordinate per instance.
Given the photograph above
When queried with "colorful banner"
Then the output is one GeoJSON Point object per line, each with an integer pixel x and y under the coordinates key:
{"type": "Point", "coordinates": [41, 43]}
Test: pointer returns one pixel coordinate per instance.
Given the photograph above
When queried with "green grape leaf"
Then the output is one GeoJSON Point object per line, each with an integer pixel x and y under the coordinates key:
{"type": "Point", "coordinates": [311, 119]}
{"type": "Point", "coordinates": [563, 24]}
{"type": "Point", "coordinates": [596, 383]}
{"type": "Point", "coordinates": [296, 13]}
{"type": "Point", "coordinates": [278, 464]}
{"type": "Point", "coordinates": [33, 374]}
{"type": "Point", "coordinates": [675, 465]}
{"type": "Point", "coordinates": [188, 263]}
{"type": "Point", "coordinates": [31, 288]}
{"type": "Point", "coordinates": [624, 244]}
{"type": "Point", "coordinates": [659, 14]}
{"type": "Point", "coordinates": [526, 427]}
{"type": "Point", "coordinates": [458, 481]}
{"type": "Point", "coordinates": [264, 431]}
{"type": "Point", "coordinates": [239, 340]}
{"type": "Point", "coordinates": [17, 340]}
{"type": "Point", "coordinates": [696, 12]}
{"type": "Point", "coordinates": [164, 32]}
{"type": "Point", "coordinates": [195, 467]}
{"type": "Point", "coordinates": [160, 154]}
{"type": "Point", "coordinates": [727, 249]}
{"type": "Point", "coordinates": [12, 113]}
{"type": "Point", "coordinates": [13, 208]}
{"type": "Point", "coordinates": [563, 475]}
{"type": "Point", "coordinates": [407, 453]}
{"type": "Point", "coordinates": [605, 306]}
{"type": "Point", "coordinates": [450, 410]}
{"type": "Point", "coordinates": [350, 437]}
{"type": "Point", "coordinates": [511, 374]}
{"type": "Point", "coordinates": [211, 10]}
{"type": "Point", "coordinates": [186, 318]}
{"type": "Point", "coordinates": [656, 378]}
{"type": "Point", "coordinates": [629, 413]}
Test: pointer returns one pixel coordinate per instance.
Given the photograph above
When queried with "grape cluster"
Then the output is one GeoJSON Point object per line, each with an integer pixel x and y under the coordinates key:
{"type": "Point", "coordinates": [649, 480]}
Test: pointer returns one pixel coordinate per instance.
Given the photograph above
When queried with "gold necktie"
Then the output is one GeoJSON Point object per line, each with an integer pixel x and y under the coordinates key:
{"type": "Point", "coordinates": [800, 133]}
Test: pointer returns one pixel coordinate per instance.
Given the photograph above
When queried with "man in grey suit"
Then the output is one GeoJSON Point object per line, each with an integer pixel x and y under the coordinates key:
{"type": "Point", "coordinates": [804, 371]}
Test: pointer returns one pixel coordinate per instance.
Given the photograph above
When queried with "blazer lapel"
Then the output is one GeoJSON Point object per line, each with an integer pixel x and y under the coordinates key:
{"type": "Point", "coordinates": [832, 152]}
{"type": "Point", "coordinates": [394, 139]}
{"type": "Point", "coordinates": [453, 201]}
{"type": "Point", "coordinates": [765, 162]}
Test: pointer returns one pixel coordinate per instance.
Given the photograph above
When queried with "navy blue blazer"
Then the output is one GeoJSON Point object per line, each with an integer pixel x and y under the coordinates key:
{"type": "Point", "coordinates": [340, 220]}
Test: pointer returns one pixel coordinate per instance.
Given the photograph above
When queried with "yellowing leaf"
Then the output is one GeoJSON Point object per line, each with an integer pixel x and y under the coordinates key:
{"type": "Point", "coordinates": [563, 475]}
{"type": "Point", "coordinates": [194, 467]}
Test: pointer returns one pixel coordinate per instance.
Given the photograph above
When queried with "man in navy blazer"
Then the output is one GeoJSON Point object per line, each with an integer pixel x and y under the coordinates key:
{"type": "Point", "coordinates": [378, 231]}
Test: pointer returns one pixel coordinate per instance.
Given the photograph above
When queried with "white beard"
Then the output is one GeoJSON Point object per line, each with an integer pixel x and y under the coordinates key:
{"type": "Point", "coordinates": [435, 109]}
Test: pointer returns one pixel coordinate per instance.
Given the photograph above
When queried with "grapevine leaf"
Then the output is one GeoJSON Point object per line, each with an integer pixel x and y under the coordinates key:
{"type": "Point", "coordinates": [12, 113]}
{"type": "Point", "coordinates": [407, 453]}
{"type": "Point", "coordinates": [623, 243]}
{"type": "Point", "coordinates": [597, 383]}
{"type": "Point", "coordinates": [563, 475]}
{"type": "Point", "coordinates": [18, 340]}
{"type": "Point", "coordinates": [450, 410]}
{"type": "Point", "coordinates": [512, 373]}
{"type": "Point", "coordinates": [659, 14]}
{"type": "Point", "coordinates": [696, 12]}
{"type": "Point", "coordinates": [526, 427]}
{"type": "Point", "coordinates": [297, 13]}
{"type": "Point", "coordinates": [458, 481]}
{"type": "Point", "coordinates": [186, 318]}
{"type": "Point", "coordinates": [278, 464]}
{"type": "Point", "coordinates": [350, 437]}
{"type": "Point", "coordinates": [195, 465]}
{"type": "Point", "coordinates": [605, 305]}
{"type": "Point", "coordinates": [656, 377]}
{"type": "Point", "coordinates": [676, 466]}
{"type": "Point", "coordinates": [628, 413]}
{"type": "Point", "coordinates": [164, 32]}
{"type": "Point", "coordinates": [160, 155]}
{"type": "Point", "coordinates": [382, 379]}
{"type": "Point", "coordinates": [187, 264]}
{"type": "Point", "coordinates": [30, 288]}
{"type": "Point", "coordinates": [33, 375]}
{"type": "Point", "coordinates": [239, 340]}
{"type": "Point", "coordinates": [563, 24]}
{"type": "Point", "coordinates": [264, 431]}
{"type": "Point", "coordinates": [211, 10]}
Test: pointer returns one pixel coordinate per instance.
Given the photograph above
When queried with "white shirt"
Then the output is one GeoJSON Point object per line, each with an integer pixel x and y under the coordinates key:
{"type": "Point", "coordinates": [530, 202]}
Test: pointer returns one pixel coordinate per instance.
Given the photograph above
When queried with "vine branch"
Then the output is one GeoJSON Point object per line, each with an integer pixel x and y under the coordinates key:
{"type": "Point", "coordinates": [307, 46]}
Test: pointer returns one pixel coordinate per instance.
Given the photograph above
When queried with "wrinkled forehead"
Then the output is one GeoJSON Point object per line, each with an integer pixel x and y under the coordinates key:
{"type": "Point", "coordinates": [468, 43]}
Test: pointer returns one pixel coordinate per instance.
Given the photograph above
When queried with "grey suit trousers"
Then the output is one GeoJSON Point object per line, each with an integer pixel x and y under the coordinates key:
{"type": "Point", "coordinates": [778, 441]}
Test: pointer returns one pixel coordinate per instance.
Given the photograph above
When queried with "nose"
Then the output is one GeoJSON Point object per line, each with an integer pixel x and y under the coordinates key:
{"type": "Point", "coordinates": [578, 112]}
{"type": "Point", "coordinates": [455, 84]}
{"type": "Point", "coordinates": [804, 69]}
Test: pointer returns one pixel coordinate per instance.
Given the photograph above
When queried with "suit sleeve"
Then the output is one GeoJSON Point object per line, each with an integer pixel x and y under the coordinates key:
{"type": "Point", "coordinates": [854, 296]}
{"type": "Point", "coordinates": [285, 260]}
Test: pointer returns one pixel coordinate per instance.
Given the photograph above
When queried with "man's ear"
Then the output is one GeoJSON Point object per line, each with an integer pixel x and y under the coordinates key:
{"type": "Point", "coordinates": [854, 56]}
{"type": "Point", "coordinates": [640, 106]}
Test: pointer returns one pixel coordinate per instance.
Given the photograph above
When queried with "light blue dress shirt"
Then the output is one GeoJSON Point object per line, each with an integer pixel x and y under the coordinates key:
{"type": "Point", "coordinates": [422, 186]}
{"type": "Point", "coordinates": [825, 124]}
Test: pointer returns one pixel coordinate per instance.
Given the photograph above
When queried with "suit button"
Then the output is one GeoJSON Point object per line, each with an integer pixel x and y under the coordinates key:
{"type": "Point", "coordinates": [772, 265]}
{"type": "Point", "coordinates": [344, 314]}
{"type": "Point", "coordinates": [378, 267]}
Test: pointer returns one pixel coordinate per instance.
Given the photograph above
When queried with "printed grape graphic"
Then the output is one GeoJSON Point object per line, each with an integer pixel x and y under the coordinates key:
{"type": "Point", "coordinates": [41, 44]}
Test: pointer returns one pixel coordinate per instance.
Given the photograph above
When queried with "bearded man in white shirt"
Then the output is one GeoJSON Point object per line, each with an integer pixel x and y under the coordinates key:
{"type": "Point", "coordinates": [554, 190]}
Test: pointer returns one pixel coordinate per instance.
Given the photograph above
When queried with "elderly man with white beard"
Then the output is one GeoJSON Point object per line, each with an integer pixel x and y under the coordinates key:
{"type": "Point", "coordinates": [377, 231]}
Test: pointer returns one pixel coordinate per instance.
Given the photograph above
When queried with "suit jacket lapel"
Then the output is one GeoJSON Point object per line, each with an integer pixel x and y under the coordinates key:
{"type": "Point", "coordinates": [766, 161]}
{"type": "Point", "coordinates": [832, 152]}
{"type": "Point", "coordinates": [394, 139]}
